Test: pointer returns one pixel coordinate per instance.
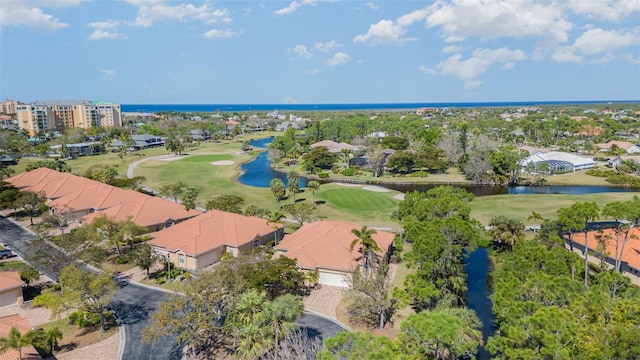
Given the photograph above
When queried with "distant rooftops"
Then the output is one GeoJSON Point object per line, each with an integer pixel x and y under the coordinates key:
{"type": "Point", "coordinates": [71, 102]}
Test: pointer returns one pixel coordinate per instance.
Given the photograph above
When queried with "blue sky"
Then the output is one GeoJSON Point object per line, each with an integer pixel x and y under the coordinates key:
{"type": "Point", "coordinates": [313, 51]}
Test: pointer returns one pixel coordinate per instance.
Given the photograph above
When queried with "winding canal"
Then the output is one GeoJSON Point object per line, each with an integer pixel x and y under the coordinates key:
{"type": "Point", "coordinates": [259, 173]}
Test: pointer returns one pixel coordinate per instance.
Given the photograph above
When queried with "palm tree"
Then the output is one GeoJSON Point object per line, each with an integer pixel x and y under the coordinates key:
{"type": "Point", "coordinates": [294, 185]}
{"type": "Point", "coordinates": [51, 337]}
{"type": "Point", "coordinates": [281, 315]}
{"type": "Point", "coordinates": [368, 245]}
{"type": "Point", "coordinates": [313, 185]}
{"type": "Point", "coordinates": [274, 219]}
{"type": "Point", "coordinates": [15, 340]}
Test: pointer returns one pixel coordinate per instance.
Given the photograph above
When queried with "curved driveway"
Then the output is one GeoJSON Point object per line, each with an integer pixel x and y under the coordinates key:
{"type": "Point", "coordinates": [133, 303]}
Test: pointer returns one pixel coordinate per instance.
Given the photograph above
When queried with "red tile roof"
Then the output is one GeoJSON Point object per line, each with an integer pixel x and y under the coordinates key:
{"type": "Point", "coordinates": [23, 325]}
{"type": "Point", "coordinates": [145, 211]}
{"type": "Point", "coordinates": [53, 183]}
{"type": "Point", "coordinates": [326, 244]}
{"type": "Point", "coordinates": [10, 280]}
{"type": "Point", "coordinates": [99, 197]}
{"type": "Point", "coordinates": [209, 231]}
{"type": "Point", "coordinates": [631, 254]}
{"type": "Point", "coordinates": [71, 192]}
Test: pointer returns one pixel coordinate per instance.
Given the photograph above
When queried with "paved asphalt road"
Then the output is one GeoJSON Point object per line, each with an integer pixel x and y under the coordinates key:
{"type": "Point", "coordinates": [133, 303]}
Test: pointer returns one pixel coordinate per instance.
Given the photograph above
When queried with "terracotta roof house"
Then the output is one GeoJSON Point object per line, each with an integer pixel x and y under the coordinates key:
{"type": "Point", "coordinates": [88, 200]}
{"type": "Point", "coordinates": [201, 241]}
{"type": "Point", "coordinates": [53, 183]}
{"type": "Point", "coordinates": [324, 247]}
{"type": "Point", "coordinates": [154, 213]}
{"type": "Point", "coordinates": [625, 145]}
{"type": "Point", "coordinates": [23, 325]}
{"type": "Point", "coordinates": [630, 260]}
{"type": "Point", "coordinates": [10, 288]}
{"type": "Point", "coordinates": [79, 197]}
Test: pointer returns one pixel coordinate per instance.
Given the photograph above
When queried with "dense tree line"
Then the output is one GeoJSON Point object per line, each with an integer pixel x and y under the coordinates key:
{"type": "Point", "coordinates": [546, 308]}
{"type": "Point", "coordinates": [438, 225]}
{"type": "Point", "coordinates": [543, 311]}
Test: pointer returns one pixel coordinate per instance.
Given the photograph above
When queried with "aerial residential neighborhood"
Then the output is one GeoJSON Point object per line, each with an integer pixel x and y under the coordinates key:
{"type": "Point", "coordinates": [157, 207]}
{"type": "Point", "coordinates": [333, 180]}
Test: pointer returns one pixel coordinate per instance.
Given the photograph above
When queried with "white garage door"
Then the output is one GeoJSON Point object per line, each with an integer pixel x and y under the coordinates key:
{"type": "Point", "coordinates": [332, 279]}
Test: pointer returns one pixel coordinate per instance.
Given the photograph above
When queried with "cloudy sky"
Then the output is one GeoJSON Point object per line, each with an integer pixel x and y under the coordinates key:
{"type": "Point", "coordinates": [314, 51]}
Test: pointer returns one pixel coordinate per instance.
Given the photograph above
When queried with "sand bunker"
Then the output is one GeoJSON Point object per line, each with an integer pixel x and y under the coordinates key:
{"type": "Point", "coordinates": [375, 188]}
{"type": "Point", "coordinates": [222, 162]}
{"type": "Point", "coordinates": [348, 185]}
{"type": "Point", "coordinates": [399, 196]}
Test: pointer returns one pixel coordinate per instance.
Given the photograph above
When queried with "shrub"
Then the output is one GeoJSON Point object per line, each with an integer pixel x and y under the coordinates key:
{"type": "Point", "coordinates": [121, 260]}
{"type": "Point", "coordinates": [323, 175]}
{"type": "Point", "coordinates": [419, 174]}
{"type": "Point", "coordinates": [84, 319]}
{"type": "Point", "coordinates": [350, 172]}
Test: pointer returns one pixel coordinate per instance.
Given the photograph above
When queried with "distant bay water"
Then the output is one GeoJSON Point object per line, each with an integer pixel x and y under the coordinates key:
{"type": "Point", "coordinates": [153, 108]}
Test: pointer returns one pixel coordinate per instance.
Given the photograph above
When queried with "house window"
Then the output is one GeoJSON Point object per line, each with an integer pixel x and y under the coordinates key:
{"type": "Point", "coordinates": [158, 227]}
{"type": "Point", "coordinates": [256, 243]}
{"type": "Point", "coordinates": [169, 225]}
{"type": "Point", "coordinates": [181, 259]}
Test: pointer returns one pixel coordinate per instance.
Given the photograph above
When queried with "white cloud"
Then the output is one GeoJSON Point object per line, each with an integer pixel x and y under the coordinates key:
{"type": "Point", "coordinates": [326, 47]}
{"type": "Point", "coordinates": [152, 11]}
{"type": "Point", "coordinates": [302, 51]}
{"type": "Point", "coordinates": [461, 19]}
{"type": "Point", "coordinates": [293, 6]}
{"type": "Point", "coordinates": [108, 74]}
{"type": "Point", "coordinates": [339, 58]}
{"type": "Point", "coordinates": [371, 5]}
{"type": "Point", "coordinates": [24, 13]}
{"type": "Point", "coordinates": [385, 32]}
{"type": "Point", "coordinates": [612, 10]}
{"type": "Point", "coordinates": [471, 69]}
{"type": "Point", "coordinates": [219, 34]}
{"type": "Point", "coordinates": [452, 49]}
{"type": "Point", "coordinates": [99, 34]}
{"type": "Point", "coordinates": [598, 40]}
{"type": "Point", "coordinates": [311, 72]}
{"type": "Point", "coordinates": [105, 30]}
{"type": "Point", "coordinates": [412, 17]}
{"type": "Point", "coordinates": [595, 42]}
{"type": "Point", "coordinates": [427, 70]}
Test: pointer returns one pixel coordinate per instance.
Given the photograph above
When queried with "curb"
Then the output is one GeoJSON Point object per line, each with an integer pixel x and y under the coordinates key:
{"type": "Point", "coordinates": [335, 321]}
{"type": "Point", "coordinates": [122, 331]}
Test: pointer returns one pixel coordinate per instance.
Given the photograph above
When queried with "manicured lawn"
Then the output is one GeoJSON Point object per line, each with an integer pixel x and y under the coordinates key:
{"type": "Point", "coordinates": [210, 180]}
{"type": "Point", "coordinates": [521, 206]}
{"type": "Point", "coordinates": [355, 199]}
{"type": "Point", "coordinates": [357, 205]}
{"type": "Point", "coordinates": [12, 265]}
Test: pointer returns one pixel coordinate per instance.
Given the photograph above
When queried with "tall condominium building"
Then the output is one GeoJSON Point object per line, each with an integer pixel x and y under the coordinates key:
{"type": "Point", "coordinates": [60, 115]}
{"type": "Point", "coordinates": [9, 106]}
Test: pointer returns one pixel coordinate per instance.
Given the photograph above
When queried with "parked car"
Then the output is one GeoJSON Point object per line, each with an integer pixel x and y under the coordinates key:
{"type": "Point", "coordinates": [5, 253]}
